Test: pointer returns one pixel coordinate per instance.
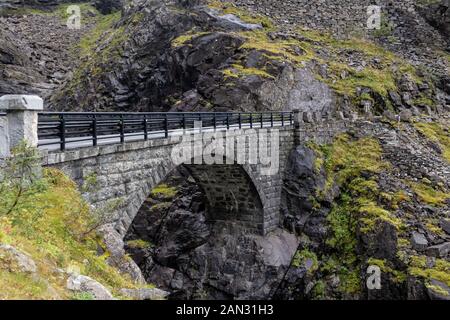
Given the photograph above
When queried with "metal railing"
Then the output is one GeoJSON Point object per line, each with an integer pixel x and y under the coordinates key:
{"type": "Point", "coordinates": [62, 128]}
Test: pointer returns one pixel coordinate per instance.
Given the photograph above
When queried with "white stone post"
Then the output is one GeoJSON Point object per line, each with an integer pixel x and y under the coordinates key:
{"type": "Point", "coordinates": [21, 121]}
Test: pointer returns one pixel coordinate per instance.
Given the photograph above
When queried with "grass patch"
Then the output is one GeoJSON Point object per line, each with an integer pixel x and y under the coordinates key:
{"type": "Point", "coordinates": [440, 271]}
{"type": "Point", "coordinates": [239, 71]}
{"type": "Point", "coordinates": [164, 191]}
{"type": "Point", "coordinates": [301, 257]}
{"type": "Point", "coordinates": [46, 217]}
{"type": "Point", "coordinates": [398, 276]}
{"type": "Point", "coordinates": [139, 244]}
{"type": "Point", "coordinates": [229, 8]}
{"type": "Point", "coordinates": [438, 133]}
{"type": "Point", "coordinates": [429, 195]}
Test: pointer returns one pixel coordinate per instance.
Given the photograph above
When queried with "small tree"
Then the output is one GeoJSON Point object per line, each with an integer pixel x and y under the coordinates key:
{"type": "Point", "coordinates": [20, 177]}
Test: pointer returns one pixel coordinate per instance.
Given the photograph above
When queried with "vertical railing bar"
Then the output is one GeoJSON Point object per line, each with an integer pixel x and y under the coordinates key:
{"type": "Point", "coordinates": [240, 121]}
{"type": "Point", "coordinates": [271, 119]}
{"type": "Point", "coordinates": [262, 120]}
{"type": "Point", "coordinates": [166, 125]}
{"type": "Point", "coordinates": [122, 129]}
{"type": "Point", "coordinates": [62, 132]}
{"type": "Point", "coordinates": [282, 119]}
{"type": "Point", "coordinates": [94, 130]}
{"type": "Point", "coordinates": [251, 120]}
{"type": "Point", "coordinates": [145, 128]}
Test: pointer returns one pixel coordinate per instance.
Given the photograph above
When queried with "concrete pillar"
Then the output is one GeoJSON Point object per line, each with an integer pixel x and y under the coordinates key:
{"type": "Point", "coordinates": [21, 121]}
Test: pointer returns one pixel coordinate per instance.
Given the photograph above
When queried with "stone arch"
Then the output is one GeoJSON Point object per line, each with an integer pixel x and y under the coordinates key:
{"type": "Point", "coordinates": [231, 189]}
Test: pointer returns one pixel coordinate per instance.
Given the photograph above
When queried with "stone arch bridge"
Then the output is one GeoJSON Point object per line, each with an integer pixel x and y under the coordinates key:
{"type": "Point", "coordinates": [128, 162]}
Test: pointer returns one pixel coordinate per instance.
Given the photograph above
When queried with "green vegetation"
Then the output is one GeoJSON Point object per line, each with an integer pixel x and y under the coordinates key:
{"type": "Point", "coordinates": [353, 164]}
{"type": "Point", "coordinates": [229, 8]}
{"type": "Point", "coordinates": [237, 71]}
{"type": "Point", "coordinates": [429, 195]}
{"type": "Point", "coordinates": [43, 214]}
{"type": "Point", "coordinates": [184, 38]}
{"type": "Point", "coordinates": [164, 191]}
{"type": "Point", "coordinates": [438, 133]}
{"type": "Point", "coordinates": [102, 30]}
{"type": "Point", "coordinates": [301, 257]}
{"type": "Point", "coordinates": [139, 244]}
{"type": "Point", "coordinates": [440, 271]}
{"type": "Point", "coordinates": [398, 276]}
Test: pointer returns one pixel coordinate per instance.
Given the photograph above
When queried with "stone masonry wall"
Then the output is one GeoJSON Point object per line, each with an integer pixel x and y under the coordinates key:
{"type": "Point", "coordinates": [130, 171]}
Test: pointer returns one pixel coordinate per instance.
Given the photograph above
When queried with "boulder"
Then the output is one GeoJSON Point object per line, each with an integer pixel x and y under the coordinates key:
{"type": "Point", "coordinates": [80, 283]}
{"type": "Point", "coordinates": [445, 225]}
{"type": "Point", "coordinates": [418, 241]}
{"type": "Point", "coordinates": [439, 251]}
{"type": "Point", "coordinates": [438, 290]}
{"type": "Point", "coordinates": [15, 260]}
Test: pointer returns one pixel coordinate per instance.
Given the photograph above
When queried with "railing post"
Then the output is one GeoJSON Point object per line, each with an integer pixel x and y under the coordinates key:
{"type": "Point", "coordinates": [20, 122]}
{"type": "Point", "coordinates": [271, 119]}
{"type": "Point", "coordinates": [122, 129]}
{"type": "Point", "coordinates": [228, 121]}
{"type": "Point", "coordinates": [145, 128]}
{"type": "Point", "coordinates": [215, 121]}
{"type": "Point", "coordinates": [94, 130]}
{"type": "Point", "coordinates": [290, 118]}
{"type": "Point", "coordinates": [240, 121]}
{"type": "Point", "coordinates": [62, 132]}
{"type": "Point", "coordinates": [262, 120]}
{"type": "Point", "coordinates": [282, 119]}
{"type": "Point", "coordinates": [166, 125]}
{"type": "Point", "coordinates": [251, 120]}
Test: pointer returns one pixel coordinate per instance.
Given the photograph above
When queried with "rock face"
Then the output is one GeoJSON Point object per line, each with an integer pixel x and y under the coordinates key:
{"type": "Point", "coordinates": [15, 260]}
{"type": "Point", "coordinates": [194, 259]}
{"type": "Point", "coordinates": [37, 52]}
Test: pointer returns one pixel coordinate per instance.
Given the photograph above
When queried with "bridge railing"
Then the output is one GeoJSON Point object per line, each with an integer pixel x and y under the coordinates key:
{"type": "Point", "coordinates": [58, 129]}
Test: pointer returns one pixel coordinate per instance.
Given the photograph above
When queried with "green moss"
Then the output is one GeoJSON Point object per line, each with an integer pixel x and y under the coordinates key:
{"type": "Point", "coordinates": [239, 71]}
{"type": "Point", "coordinates": [164, 191]}
{"type": "Point", "coordinates": [229, 8]}
{"type": "Point", "coordinates": [350, 281]}
{"type": "Point", "coordinates": [319, 289]}
{"type": "Point", "coordinates": [440, 271]}
{"type": "Point", "coordinates": [139, 244]}
{"type": "Point", "coordinates": [429, 195]}
{"type": "Point", "coordinates": [372, 213]}
{"type": "Point", "coordinates": [301, 257]}
{"type": "Point", "coordinates": [102, 29]}
{"type": "Point", "coordinates": [347, 159]}
{"type": "Point", "coordinates": [398, 276]}
{"type": "Point", "coordinates": [185, 38]}
{"type": "Point", "coordinates": [438, 133]}
{"type": "Point", "coordinates": [284, 50]}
